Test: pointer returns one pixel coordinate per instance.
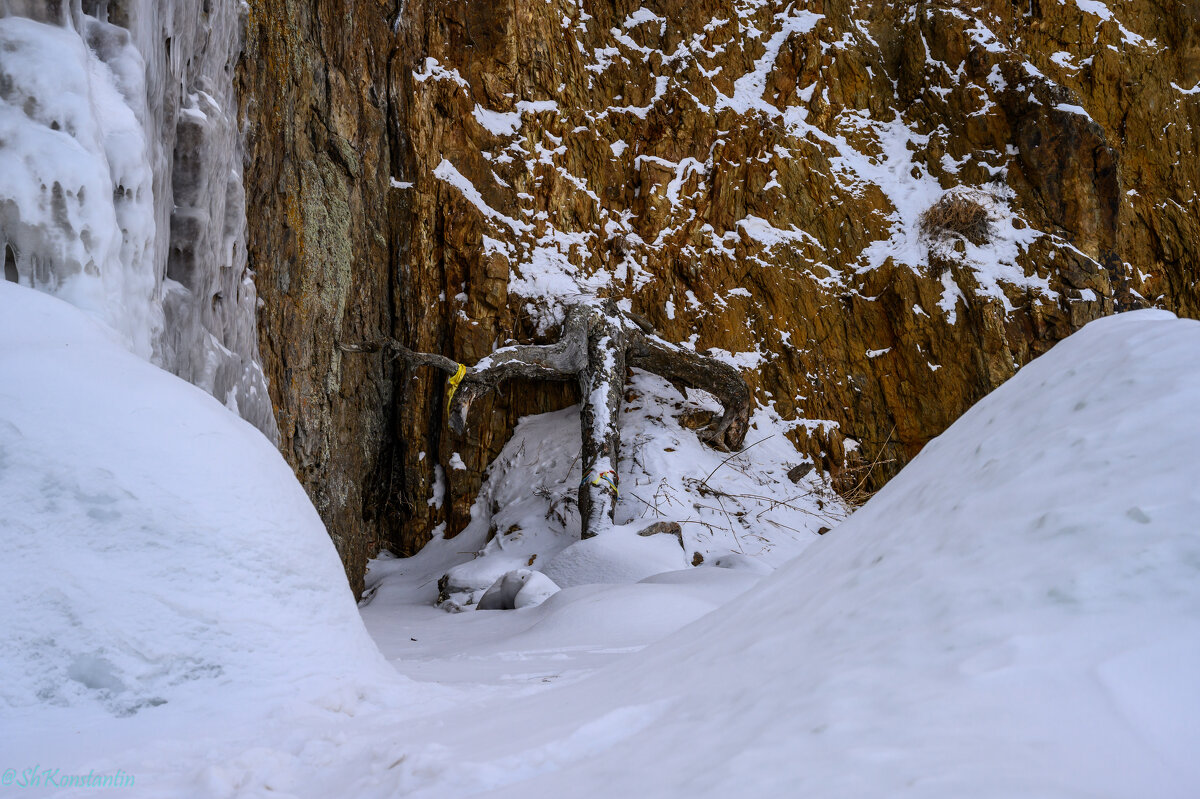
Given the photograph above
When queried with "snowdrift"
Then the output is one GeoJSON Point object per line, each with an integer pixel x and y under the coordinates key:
{"type": "Point", "coordinates": [1016, 614]}
{"type": "Point", "coordinates": [159, 555]}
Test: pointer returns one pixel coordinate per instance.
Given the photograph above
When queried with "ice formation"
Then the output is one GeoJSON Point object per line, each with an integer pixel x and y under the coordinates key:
{"type": "Point", "coordinates": [120, 179]}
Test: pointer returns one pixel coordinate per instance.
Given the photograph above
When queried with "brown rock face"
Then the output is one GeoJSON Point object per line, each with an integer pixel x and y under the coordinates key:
{"type": "Point", "coordinates": [312, 86]}
{"type": "Point", "coordinates": [749, 176]}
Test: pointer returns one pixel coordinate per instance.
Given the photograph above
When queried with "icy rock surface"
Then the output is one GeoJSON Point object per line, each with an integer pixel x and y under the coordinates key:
{"type": "Point", "coordinates": [120, 180]}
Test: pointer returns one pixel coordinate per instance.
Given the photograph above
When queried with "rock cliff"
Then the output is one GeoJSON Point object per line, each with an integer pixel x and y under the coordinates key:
{"type": "Point", "coordinates": [754, 178]}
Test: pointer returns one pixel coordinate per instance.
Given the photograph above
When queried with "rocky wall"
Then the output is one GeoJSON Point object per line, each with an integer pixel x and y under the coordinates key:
{"type": "Point", "coordinates": [750, 176]}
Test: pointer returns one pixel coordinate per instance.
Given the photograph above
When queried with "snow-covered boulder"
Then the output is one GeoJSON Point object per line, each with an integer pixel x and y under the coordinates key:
{"type": "Point", "coordinates": [520, 588]}
{"type": "Point", "coordinates": [616, 555]}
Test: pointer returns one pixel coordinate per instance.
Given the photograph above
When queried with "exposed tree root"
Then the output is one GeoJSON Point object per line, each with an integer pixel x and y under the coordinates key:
{"type": "Point", "coordinates": [598, 342]}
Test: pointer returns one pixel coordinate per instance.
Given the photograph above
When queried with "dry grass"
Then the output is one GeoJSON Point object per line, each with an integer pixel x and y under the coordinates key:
{"type": "Point", "coordinates": [851, 481]}
{"type": "Point", "coordinates": [958, 214]}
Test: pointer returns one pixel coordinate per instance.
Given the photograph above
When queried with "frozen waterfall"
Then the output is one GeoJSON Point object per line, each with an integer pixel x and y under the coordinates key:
{"type": "Point", "coordinates": [121, 179]}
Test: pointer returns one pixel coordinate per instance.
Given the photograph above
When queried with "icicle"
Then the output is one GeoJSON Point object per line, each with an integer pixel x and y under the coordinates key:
{"type": "Point", "coordinates": [138, 217]}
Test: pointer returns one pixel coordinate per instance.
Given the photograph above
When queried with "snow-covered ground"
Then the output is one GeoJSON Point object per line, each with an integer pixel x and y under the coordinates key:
{"type": "Point", "coordinates": [163, 570]}
{"type": "Point", "coordinates": [1016, 614]}
{"type": "Point", "coordinates": [725, 504]}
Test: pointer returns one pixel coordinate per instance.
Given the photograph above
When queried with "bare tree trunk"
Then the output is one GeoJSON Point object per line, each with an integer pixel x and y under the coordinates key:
{"type": "Point", "coordinates": [602, 383]}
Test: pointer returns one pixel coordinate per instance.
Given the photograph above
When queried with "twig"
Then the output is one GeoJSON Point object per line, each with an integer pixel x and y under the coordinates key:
{"type": "Point", "coordinates": [785, 527]}
{"type": "Point", "coordinates": [731, 530]}
{"type": "Point", "coordinates": [647, 504]}
{"type": "Point", "coordinates": [855, 492]}
{"type": "Point", "coordinates": [704, 482]}
{"type": "Point", "coordinates": [697, 521]}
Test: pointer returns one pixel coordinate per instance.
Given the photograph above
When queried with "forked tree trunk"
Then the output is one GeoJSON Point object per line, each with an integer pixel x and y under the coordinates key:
{"type": "Point", "coordinates": [596, 346]}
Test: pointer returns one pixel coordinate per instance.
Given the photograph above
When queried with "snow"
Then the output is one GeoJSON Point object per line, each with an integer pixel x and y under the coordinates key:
{"type": "Point", "coordinates": [1062, 59]}
{"type": "Point", "coordinates": [107, 136]}
{"type": "Point", "coordinates": [951, 296]}
{"type": "Point", "coordinates": [498, 123]}
{"type": "Point", "coordinates": [447, 172]}
{"type": "Point", "coordinates": [1094, 7]}
{"type": "Point", "coordinates": [683, 169]}
{"type": "Point", "coordinates": [765, 233]}
{"type": "Point", "coordinates": [619, 555]}
{"type": "Point", "coordinates": [161, 563]}
{"type": "Point", "coordinates": [748, 89]}
{"type": "Point", "coordinates": [1016, 614]}
{"type": "Point", "coordinates": [69, 138]}
{"type": "Point", "coordinates": [569, 635]}
{"type": "Point", "coordinates": [643, 15]}
{"type": "Point", "coordinates": [434, 69]}
{"type": "Point", "coordinates": [1101, 10]}
{"type": "Point", "coordinates": [1071, 108]}
{"type": "Point", "coordinates": [537, 106]}
{"type": "Point", "coordinates": [507, 123]}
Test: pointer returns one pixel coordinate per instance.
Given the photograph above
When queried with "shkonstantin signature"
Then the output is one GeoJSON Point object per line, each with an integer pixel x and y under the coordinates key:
{"type": "Point", "coordinates": [38, 777]}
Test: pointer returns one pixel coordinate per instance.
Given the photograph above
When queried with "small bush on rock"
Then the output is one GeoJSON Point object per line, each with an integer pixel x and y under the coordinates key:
{"type": "Point", "coordinates": [957, 214]}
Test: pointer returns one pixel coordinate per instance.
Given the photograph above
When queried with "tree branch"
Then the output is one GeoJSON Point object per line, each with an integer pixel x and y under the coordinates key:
{"type": "Point", "coordinates": [596, 345]}
{"type": "Point", "coordinates": [402, 352]}
{"type": "Point", "coordinates": [697, 371]}
{"type": "Point", "coordinates": [560, 361]}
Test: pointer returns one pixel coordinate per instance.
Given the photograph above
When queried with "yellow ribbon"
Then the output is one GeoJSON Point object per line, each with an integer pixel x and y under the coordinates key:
{"type": "Point", "coordinates": [454, 381]}
{"type": "Point", "coordinates": [603, 479]}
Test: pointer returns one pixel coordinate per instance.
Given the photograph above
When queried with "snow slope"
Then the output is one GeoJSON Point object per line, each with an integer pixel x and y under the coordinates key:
{"type": "Point", "coordinates": [160, 560]}
{"type": "Point", "coordinates": [1016, 614]}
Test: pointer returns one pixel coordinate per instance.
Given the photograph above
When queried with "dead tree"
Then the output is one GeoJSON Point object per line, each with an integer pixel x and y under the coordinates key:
{"type": "Point", "coordinates": [598, 342]}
